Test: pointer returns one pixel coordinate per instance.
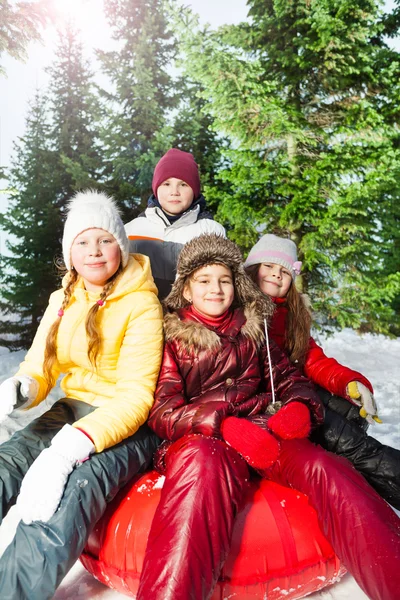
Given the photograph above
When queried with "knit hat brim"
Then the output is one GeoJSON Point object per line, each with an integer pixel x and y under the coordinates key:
{"type": "Point", "coordinates": [89, 210]}
{"type": "Point", "coordinates": [277, 250]}
{"type": "Point", "coordinates": [179, 164]}
{"type": "Point", "coordinates": [209, 249]}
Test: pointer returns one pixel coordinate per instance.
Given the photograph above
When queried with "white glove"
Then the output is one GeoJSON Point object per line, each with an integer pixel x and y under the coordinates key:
{"type": "Point", "coordinates": [361, 396]}
{"type": "Point", "coordinates": [43, 485]}
{"type": "Point", "coordinates": [17, 392]}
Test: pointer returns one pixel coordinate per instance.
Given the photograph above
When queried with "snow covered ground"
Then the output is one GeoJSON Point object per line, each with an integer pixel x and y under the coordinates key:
{"type": "Point", "coordinates": [375, 356]}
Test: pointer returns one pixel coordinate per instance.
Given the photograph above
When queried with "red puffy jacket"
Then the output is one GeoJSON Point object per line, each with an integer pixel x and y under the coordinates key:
{"type": "Point", "coordinates": [207, 376]}
{"type": "Point", "coordinates": [326, 372]}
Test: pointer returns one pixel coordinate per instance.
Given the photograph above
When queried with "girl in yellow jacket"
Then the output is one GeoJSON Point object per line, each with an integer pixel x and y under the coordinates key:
{"type": "Point", "coordinates": [103, 331]}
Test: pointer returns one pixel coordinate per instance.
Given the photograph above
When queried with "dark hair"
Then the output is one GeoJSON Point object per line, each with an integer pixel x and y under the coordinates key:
{"type": "Point", "coordinates": [299, 320]}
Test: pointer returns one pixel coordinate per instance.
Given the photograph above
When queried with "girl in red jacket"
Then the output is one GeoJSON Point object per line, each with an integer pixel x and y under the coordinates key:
{"type": "Point", "coordinates": [215, 404]}
{"type": "Point", "coordinates": [272, 263]}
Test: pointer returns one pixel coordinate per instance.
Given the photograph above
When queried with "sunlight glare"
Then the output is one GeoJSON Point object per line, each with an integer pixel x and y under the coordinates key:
{"type": "Point", "coordinates": [80, 12]}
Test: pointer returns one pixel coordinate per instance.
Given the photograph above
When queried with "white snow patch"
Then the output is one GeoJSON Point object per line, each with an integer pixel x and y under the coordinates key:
{"type": "Point", "coordinates": [159, 483]}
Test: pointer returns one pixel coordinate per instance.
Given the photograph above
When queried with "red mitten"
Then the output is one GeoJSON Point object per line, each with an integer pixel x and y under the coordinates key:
{"type": "Point", "coordinates": [257, 446]}
{"type": "Point", "coordinates": [291, 421]}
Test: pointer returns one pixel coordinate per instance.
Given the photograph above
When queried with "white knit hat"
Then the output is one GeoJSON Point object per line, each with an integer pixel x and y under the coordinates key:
{"type": "Point", "coordinates": [89, 210]}
{"type": "Point", "coordinates": [271, 248]}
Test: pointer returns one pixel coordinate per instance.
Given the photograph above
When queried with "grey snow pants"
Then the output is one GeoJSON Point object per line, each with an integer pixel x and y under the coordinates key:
{"type": "Point", "coordinates": [41, 554]}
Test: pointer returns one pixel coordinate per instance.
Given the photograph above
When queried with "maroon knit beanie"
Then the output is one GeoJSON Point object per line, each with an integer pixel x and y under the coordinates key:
{"type": "Point", "coordinates": [179, 164]}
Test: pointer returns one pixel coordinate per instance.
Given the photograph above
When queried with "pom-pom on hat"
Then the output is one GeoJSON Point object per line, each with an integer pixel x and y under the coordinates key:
{"type": "Point", "coordinates": [179, 164]}
{"type": "Point", "coordinates": [274, 249]}
{"type": "Point", "coordinates": [89, 210]}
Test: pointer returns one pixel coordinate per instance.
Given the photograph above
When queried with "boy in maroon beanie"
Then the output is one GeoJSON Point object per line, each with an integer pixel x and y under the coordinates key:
{"type": "Point", "coordinates": [176, 213]}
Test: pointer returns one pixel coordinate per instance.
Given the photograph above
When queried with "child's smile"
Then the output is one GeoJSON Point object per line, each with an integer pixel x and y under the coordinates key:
{"type": "Point", "coordinates": [274, 280]}
{"type": "Point", "coordinates": [96, 256]}
{"type": "Point", "coordinates": [211, 290]}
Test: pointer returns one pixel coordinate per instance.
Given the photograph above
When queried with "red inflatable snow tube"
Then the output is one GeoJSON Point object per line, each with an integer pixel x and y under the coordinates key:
{"type": "Point", "coordinates": [278, 550]}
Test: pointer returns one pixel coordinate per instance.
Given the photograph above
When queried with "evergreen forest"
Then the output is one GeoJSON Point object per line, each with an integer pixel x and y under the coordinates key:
{"type": "Point", "coordinates": [293, 117]}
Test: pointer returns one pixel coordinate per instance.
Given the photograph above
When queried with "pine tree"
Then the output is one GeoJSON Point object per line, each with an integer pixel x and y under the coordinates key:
{"type": "Point", "coordinates": [20, 23]}
{"type": "Point", "coordinates": [192, 127]}
{"type": "Point", "coordinates": [140, 97]}
{"type": "Point", "coordinates": [308, 93]}
{"type": "Point", "coordinates": [58, 155]}
{"type": "Point", "coordinates": [76, 117]}
{"type": "Point", "coordinates": [32, 220]}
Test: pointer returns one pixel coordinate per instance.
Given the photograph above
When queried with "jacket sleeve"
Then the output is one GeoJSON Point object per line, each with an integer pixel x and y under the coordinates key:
{"type": "Point", "coordinates": [163, 258]}
{"type": "Point", "coordinates": [33, 361]}
{"type": "Point", "coordinates": [172, 416]}
{"type": "Point", "coordinates": [329, 373]}
{"type": "Point", "coordinates": [290, 385]}
{"type": "Point", "coordinates": [213, 227]}
{"type": "Point", "coordinates": [136, 377]}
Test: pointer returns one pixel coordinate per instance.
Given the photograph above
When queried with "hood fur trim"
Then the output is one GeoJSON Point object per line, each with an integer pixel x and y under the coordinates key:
{"type": "Point", "coordinates": [254, 326]}
{"type": "Point", "coordinates": [194, 336]}
{"type": "Point", "coordinates": [209, 249]}
{"type": "Point", "coordinates": [191, 335]}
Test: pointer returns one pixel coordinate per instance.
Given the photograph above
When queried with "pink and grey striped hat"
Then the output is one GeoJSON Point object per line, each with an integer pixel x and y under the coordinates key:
{"type": "Point", "coordinates": [274, 249]}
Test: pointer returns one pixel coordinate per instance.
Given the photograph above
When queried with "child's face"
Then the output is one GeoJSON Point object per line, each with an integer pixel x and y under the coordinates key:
{"type": "Point", "coordinates": [211, 290]}
{"type": "Point", "coordinates": [274, 280]}
{"type": "Point", "coordinates": [175, 196]}
{"type": "Point", "coordinates": [95, 255]}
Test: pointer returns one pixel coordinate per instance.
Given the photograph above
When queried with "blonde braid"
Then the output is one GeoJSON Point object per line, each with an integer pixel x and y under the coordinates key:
{"type": "Point", "coordinates": [50, 352]}
{"type": "Point", "coordinates": [92, 331]}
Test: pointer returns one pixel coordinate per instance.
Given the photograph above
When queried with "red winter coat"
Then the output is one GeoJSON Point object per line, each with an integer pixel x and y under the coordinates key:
{"type": "Point", "coordinates": [207, 376]}
{"type": "Point", "coordinates": [326, 372]}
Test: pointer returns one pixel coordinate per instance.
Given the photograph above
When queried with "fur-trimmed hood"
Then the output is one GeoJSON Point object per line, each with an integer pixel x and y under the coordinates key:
{"type": "Point", "coordinates": [192, 335]}
{"type": "Point", "coordinates": [209, 249]}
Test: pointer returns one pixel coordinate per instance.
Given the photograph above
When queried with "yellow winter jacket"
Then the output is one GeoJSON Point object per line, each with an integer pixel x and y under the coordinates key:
{"type": "Point", "coordinates": [122, 387]}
